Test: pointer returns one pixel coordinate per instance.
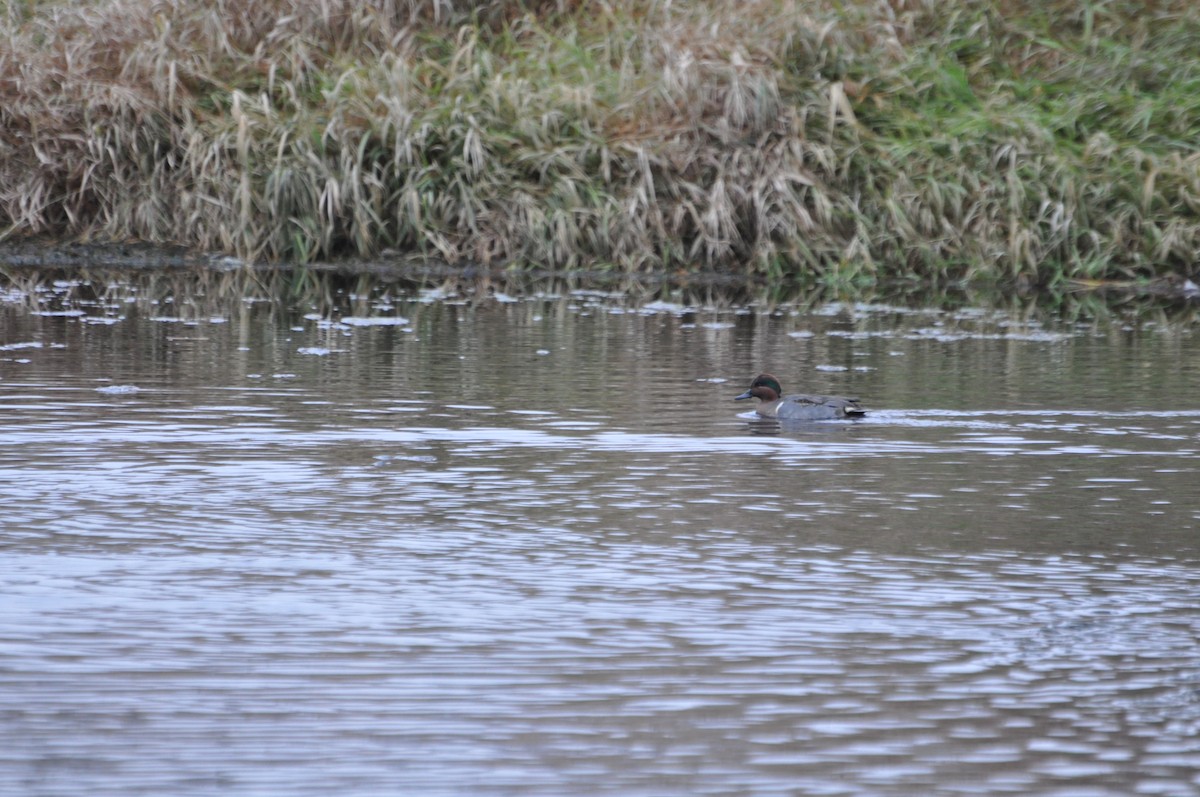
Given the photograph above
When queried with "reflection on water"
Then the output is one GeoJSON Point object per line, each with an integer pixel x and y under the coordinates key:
{"type": "Point", "coordinates": [533, 547]}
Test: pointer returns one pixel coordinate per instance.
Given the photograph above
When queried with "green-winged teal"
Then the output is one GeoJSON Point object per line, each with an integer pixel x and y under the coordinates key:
{"type": "Point", "coordinates": [798, 407]}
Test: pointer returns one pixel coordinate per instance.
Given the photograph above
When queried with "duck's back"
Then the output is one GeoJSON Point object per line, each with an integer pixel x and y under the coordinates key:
{"type": "Point", "coordinates": [806, 407]}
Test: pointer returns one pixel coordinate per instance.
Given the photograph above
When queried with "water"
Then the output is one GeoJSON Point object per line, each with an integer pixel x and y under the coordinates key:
{"type": "Point", "coordinates": [531, 547]}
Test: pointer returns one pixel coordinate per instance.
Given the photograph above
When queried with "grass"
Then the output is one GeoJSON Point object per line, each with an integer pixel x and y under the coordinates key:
{"type": "Point", "coordinates": [838, 144]}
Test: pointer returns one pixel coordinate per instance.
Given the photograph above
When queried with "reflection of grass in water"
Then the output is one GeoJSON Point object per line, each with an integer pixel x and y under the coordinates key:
{"type": "Point", "coordinates": [832, 144]}
{"type": "Point", "coordinates": [198, 293]}
{"type": "Point", "coordinates": [187, 294]}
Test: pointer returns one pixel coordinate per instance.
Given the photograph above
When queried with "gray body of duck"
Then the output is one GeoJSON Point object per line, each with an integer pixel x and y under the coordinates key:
{"type": "Point", "coordinates": [798, 406]}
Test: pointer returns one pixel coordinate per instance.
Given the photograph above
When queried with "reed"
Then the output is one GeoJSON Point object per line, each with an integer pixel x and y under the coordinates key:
{"type": "Point", "coordinates": [839, 144]}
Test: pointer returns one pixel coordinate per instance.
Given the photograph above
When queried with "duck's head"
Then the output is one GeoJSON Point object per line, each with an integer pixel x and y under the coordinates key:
{"type": "Point", "coordinates": [765, 387]}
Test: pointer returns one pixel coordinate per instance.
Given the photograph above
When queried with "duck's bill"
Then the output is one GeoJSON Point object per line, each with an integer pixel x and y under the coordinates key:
{"type": "Point", "coordinates": [745, 395]}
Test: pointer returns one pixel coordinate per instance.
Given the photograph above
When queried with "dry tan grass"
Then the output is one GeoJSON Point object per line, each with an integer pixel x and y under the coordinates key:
{"type": "Point", "coordinates": [792, 139]}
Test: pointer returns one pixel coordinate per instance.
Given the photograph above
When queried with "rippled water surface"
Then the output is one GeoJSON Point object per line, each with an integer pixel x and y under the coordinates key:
{"type": "Point", "coordinates": [388, 543]}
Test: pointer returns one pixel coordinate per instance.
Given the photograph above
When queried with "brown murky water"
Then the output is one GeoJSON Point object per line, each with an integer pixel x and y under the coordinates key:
{"type": "Point", "coordinates": [392, 544]}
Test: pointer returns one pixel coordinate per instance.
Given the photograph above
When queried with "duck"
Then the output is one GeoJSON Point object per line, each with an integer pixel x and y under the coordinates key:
{"type": "Point", "coordinates": [799, 406]}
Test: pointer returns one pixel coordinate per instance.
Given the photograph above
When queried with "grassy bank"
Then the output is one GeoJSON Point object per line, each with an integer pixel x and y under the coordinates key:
{"type": "Point", "coordinates": [832, 142]}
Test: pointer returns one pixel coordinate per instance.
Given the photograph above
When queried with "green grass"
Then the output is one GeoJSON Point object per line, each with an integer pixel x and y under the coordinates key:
{"type": "Point", "coordinates": [1075, 141]}
{"type": "Point", "coordinates": [838, 144]}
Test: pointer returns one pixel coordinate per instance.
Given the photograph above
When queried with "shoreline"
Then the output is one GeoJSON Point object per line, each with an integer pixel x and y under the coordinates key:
{"type": "Point", "coordinates": [779, 142]}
